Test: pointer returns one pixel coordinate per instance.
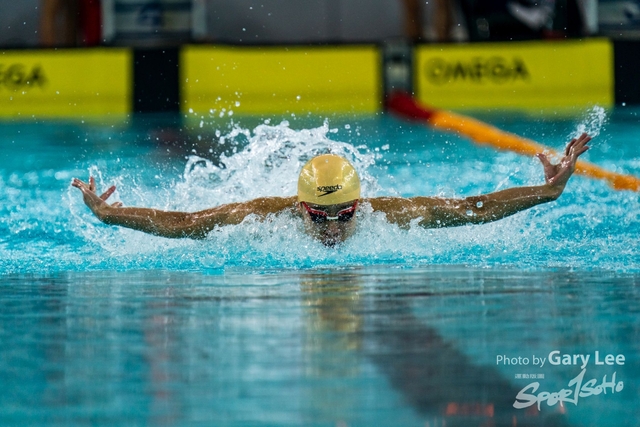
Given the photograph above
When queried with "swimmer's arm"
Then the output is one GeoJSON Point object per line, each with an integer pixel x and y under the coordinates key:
{"type": "Point", "coordinates": [195, 225]}
{"type": "Point", "coordinates": [434, 212]}
{"type": "Point", "coordinates": [437, 212]}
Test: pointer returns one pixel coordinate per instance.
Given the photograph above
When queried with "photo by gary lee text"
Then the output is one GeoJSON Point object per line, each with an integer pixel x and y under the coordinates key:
{"type": "Point", "coordinates": [557, 358]}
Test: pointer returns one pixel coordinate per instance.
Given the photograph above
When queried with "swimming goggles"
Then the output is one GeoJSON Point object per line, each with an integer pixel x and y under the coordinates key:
{"type": "Point", "coordinates": [320, 217]}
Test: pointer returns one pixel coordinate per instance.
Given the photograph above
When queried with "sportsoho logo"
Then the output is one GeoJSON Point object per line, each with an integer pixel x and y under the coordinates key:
{"type": "Point", "coordinates": [496, 70]}
{"type": "Point", "coordinates": [20, 76]}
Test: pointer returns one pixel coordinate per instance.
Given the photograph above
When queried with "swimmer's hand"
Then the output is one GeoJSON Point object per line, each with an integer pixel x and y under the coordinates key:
{"type": "Point", "coordinates": [557, 176]}
{"type": "Point", "coordinates": [97, 204]}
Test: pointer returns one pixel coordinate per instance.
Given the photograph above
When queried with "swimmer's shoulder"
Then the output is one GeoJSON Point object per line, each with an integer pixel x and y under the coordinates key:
{"type": "Point", "coordinates": [402, 210]}
{"type": "Point", "coordinates": [235, 213]}
{"type": "Point", "coordinates": [271, 205]}
{"type": "Point", "coordinates": [398, 204]}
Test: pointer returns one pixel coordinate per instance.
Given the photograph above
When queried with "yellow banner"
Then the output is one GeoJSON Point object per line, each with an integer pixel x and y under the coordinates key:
{"type": "Point", "coordinates": [516, 75]}
{"type": "Point", "coordinates": [65, 83]}
{"type": "Point", "coordinates": [264, 80]}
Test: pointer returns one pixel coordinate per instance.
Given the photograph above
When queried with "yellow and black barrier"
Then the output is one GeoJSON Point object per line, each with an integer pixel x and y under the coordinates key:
{"type": "Point", "coordinates": [277, 80]}
{"type": "Point", "coordinates": [342, 79]}
{"type": "Point", "coordinates": [65, 83]}
{"type": "Point", "coordinates": [531, 76]}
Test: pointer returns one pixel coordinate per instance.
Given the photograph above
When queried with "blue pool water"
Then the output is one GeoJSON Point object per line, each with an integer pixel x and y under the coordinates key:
{"type": "Point", "coordinates": [258, 325]}
{"type": "Point", "coordinates": [48, 228]}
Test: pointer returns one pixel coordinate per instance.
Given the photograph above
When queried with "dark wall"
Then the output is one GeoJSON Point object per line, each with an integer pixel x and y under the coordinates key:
{"type": "Point", "coordinates": [627, 63]}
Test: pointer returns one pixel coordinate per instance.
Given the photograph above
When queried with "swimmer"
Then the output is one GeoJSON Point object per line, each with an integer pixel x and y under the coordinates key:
{"type": "Point", "coordinates": [328, 199]}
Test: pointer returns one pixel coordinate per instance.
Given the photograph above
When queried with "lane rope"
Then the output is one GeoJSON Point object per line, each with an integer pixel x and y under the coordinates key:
{"type": "Point", "coordinates": [482, 133]}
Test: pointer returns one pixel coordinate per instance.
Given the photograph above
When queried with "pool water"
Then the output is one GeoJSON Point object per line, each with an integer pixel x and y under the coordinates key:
{"type": "Point", "coordinates": [259, 325]}
{"type": "Point", "coordinates": [158, 163]}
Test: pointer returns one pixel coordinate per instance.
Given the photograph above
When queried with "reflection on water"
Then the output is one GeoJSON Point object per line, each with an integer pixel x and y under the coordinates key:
{"type": "Point", "coordinates": [365, 346]}
{"type": "Point", "coordinates": [432, 375]}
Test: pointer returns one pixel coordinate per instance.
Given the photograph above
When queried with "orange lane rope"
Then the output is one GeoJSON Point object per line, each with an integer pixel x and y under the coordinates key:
{"type": "Point", "coordinates": [485, 134]}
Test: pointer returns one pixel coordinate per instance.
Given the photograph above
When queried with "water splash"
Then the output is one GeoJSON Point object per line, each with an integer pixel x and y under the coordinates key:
{"type": "Point", "coordinates": [593, 122]}
{"type": "Point", "coordinates": [265, 162]}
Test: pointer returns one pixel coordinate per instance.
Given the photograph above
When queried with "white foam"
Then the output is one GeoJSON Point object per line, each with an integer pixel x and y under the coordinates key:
{"type": "Point", "coordinates": [267, 164]}
{"type": "Point", "coordinates": [592, 123]}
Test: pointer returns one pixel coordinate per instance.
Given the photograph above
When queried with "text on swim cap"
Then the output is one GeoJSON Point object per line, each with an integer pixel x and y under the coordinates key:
{"type": "Point", "coordinates": [328, 189]}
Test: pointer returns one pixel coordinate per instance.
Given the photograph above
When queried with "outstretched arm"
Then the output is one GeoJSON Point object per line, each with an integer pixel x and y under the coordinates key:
{"type": "Point", "coordinates": [195, 225]}
{"type": "Point", "coordinates": [438, 212]}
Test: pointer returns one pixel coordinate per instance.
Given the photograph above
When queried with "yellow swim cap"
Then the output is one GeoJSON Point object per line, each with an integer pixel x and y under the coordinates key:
{"type": "Point", "coordinates": [328, 180]}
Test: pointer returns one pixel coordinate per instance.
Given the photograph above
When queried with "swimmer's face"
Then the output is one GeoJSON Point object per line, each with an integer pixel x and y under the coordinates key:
{"type": "Point", "coordinates": [330, 224]}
